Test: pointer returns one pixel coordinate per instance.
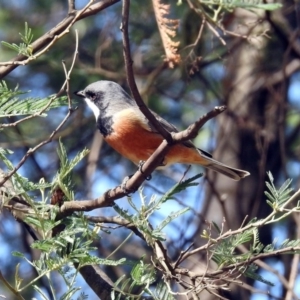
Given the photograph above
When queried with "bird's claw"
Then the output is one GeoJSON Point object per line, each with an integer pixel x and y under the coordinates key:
{"type": "Point", "coordinates": [141, 163]}
{"type": "Point", "coordinates": [123, 185]}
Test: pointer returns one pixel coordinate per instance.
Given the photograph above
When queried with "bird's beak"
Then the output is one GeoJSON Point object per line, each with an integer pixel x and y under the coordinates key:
{"type": "Point", "coordinates": [80, 94]}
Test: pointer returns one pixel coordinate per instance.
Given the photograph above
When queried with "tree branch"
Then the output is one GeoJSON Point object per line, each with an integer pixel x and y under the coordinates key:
{"type": "Point", "coordinates": [139, 177]}
{"type": "Point", "coordinates": [51, 36]}
{"type": "Point", "coordinates": [130, 75]}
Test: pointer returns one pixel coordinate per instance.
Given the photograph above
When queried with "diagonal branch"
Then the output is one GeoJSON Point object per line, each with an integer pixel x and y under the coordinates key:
{"type": "Point", "coordinates": [108, 198]}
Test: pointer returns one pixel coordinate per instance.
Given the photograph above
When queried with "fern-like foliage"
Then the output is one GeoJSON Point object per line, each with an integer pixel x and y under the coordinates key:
{"type": "Point", "coordinates": [12, 105]}
{"type": "Point", "coordinates": [62, 242]}
{"type": "Point", "coordinates": [213, 8]}
{"type": "Point", "coordinates": [24, 48]}
{"type": "Point", "coordinates": [161, 292]}
{"type": "Point", "coordinates": [225, 250]}
{"type": "Point", "coordinates": [142, 274]}
{"type": "Point", "coordinates": [63, 178]}
{"type": "Point", "coordinates": [250, 4]}
{"type": "Point", "coordinates": [140, 219]}
{"type": "Point", "coordinates": [284, 245]}
{"type": "Point", "coordinates": [277, 197]}
{"type": "Point", "coordinates": [224, 253]}
{"type": "Point", "coordinates": [141, 277]}
{"type": "Point", "coordinates": [179, 187]}
{"type": "Point", "coordinates": [251, 272]}
{"type": "Point", "coordinates": [21, 185]}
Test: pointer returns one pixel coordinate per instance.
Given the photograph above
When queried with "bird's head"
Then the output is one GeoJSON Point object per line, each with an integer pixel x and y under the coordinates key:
{"type": "Point", "coordinates": [106, 96]}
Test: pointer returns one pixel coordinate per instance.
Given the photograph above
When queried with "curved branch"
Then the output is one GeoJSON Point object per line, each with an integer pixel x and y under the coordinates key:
{"type": "Point", "coordinates": [130, 76]}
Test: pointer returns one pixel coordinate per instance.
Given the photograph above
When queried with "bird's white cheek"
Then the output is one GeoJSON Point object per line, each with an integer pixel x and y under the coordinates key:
{"type": "Point", "coordinates": [93, 107]}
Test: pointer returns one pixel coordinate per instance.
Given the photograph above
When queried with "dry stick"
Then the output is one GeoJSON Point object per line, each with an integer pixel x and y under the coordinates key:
{"type": "Point", "coordinates": [71, 6]}
{"type": "Point", "coordinates": [119, 221]}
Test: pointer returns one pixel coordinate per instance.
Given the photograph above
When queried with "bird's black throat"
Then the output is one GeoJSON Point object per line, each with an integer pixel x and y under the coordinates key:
{"type": "Point", "coordinates": [104, 124]}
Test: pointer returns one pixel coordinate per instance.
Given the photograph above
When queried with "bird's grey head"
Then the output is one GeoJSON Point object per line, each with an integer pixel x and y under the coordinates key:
{"type": "Point", "coordinates": [106, 97]}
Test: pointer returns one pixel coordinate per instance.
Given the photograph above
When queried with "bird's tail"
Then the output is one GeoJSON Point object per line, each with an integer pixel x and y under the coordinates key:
{"type": "Point", "coordinates": [235, 174]}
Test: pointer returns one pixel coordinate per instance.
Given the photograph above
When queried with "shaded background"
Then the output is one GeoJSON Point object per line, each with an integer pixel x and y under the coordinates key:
{"type": "Point", "coordinates": [256, 74]}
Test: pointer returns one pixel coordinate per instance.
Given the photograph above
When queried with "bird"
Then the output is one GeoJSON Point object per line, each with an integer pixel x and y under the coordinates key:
{"type": "Point", "coordinates": [126, 129]}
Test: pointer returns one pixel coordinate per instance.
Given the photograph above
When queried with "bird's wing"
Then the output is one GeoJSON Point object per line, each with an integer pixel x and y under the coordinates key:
{"type": "Point", "coordinates": [171, 128]}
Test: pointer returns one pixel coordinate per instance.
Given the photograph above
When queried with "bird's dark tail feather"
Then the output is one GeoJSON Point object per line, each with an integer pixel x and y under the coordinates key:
{"type": "Point", "coordinates": [235, 174]}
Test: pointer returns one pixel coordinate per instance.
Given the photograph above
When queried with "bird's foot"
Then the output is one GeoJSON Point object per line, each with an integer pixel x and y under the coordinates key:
{"type": "Point", "coordinates": [141, 163]}
{"type": "Point", "coordinates": [124, 187]}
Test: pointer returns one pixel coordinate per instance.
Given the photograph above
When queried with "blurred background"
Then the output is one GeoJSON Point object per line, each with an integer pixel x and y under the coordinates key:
{"type": "Point", "coordinates": [252, 66]}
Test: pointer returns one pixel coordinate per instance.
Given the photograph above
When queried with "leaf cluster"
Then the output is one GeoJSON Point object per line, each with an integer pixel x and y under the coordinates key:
{"type": "Point", "coordinates": [12, 105]}
{"type": "Point", "coordinates": [141, 217]}
{"type": "Point", "coordinates": [141, 277]}
{"type": "Point", "coordinates": [226, 249]}
{"type": "Point", "coordinates": [212, 9]}
{"type": "Point", "coordinates": [24, 48]}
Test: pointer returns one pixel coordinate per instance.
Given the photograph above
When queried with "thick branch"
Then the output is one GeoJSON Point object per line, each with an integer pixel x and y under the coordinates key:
{"type": "Point", "coordinates": [99, 282]}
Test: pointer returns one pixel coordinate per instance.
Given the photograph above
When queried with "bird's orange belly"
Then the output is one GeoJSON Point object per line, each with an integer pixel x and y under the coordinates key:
{"type": "Point", "coordinates": [137, 144]}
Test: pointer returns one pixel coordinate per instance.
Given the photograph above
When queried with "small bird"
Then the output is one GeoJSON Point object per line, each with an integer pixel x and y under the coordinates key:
{"type": "Point", "coordinates": [126, 129]}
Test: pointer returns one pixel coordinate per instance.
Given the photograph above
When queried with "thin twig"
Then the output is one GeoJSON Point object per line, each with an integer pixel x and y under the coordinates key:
{"type": "Point", "coordinates": [269, 219]}
{"type": "Point", "coordinates": [51, 36]}
{"type": "Point", "coordinates": [71, 110]}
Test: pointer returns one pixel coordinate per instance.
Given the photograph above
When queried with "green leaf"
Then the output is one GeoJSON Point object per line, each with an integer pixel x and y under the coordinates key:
{"type": "Point", "coordinates": [3, 156]}
{"type": "Point", "coordinates": [250, 4]}
{"type": "Point", "coordinates": [181, 186]}
{"type": "Point", "coordinates": [143, 273]}
{"type": "Point", "coordinates": [18, 254]}
{"type": "Point", "coordinates": [27, 37]}
{"type": "Point", "coordinates": [251, 272]}
{"type": "Point", "coordinates": [71, 292]}
{"type": "Point", "coordinates": [171, 217]}
{"type": "Point", "coordinates": [161, 292]}
{"type": "Point", "coordinates": [16, 107]}
{"type": "Point", "coordinates": [63, 178]}
{"type": "Point", "coordinates": [18, 279]}
{"type": "Point", "coordinates": [24, 48]}
{"type": "Point", "coordinates": [10, 46]}
{"type": "Point", "coordinates": [224, 252]}
{"type": "Point", "coordinates": [278, 198]}
{"type": "Point", "coordinates": [40, 291]}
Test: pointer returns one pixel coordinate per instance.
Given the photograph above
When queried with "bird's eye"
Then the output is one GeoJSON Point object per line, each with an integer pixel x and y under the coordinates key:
{"type": "Point", "coordinates": [91, 95]}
